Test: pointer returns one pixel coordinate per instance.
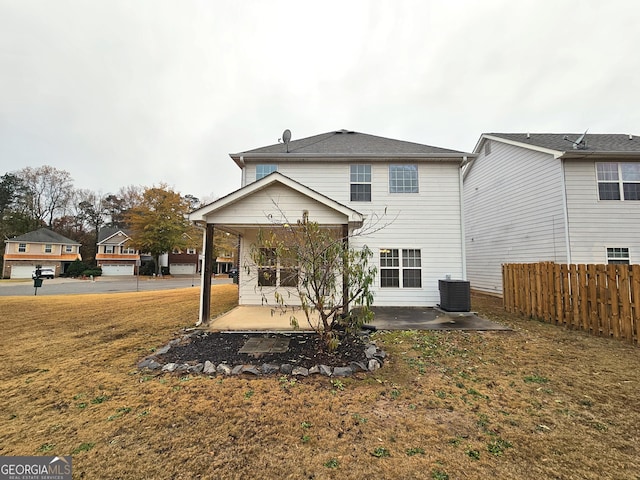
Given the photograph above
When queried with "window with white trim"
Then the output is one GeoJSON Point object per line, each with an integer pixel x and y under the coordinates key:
{"type": "Point", "coordinates": [360, 183]}
{"type": "Point", "coordinates": [267, 270]}
{"type": "Point", "coordinates": [264, 170]}
{"type": "Point", "coordinates": [618, 255]}
{"type": "Point", "coordinates": [396, 274]}
{"type": "Point", "coordinates": [22, 247]}
{"type": "Point", "coordinates": [277, 270]}
{"type": "Point", "coordinates": [126, 250]}
{"type": "Point", "coordinates": [68, 249]}
{"type": "Point", "coordinates": [108, 249]}
{"type": "Point", "coordinates": [48, 248]}
{"type": "Point", "coordinates": [618, 181]}
{"type": "Point", "coordinates": [403, 179]}
{"type": "Point", "coordinates": [191, 251]}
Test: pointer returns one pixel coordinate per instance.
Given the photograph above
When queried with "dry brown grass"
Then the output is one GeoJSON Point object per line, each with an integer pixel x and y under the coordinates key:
{"type": "Point", "coordinates": [538, 402]}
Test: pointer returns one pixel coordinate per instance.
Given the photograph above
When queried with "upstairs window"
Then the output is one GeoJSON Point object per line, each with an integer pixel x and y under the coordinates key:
{"type": "Point", "coordinates": [48, 248]}
{"type": "Point", "coordinates": [128, 250]}
{"type": "Point", "coordinates": [618, 181]}
{"type": "Point", "coordinates": [264, 170]}
{"type": "Point", "coordinates": [360, 179]}
{"type": "Point", "coordinates": [68, 249]}
{"type": "Point", "coordinates": [618, 255]}
{"type": "Point", "coordinates": [403, 178]}
{"type": "Point", "coordinates": [191, 251]}
{"type": "Point", "coordinates": [108, 249]}
{"type": "Point", "coordinates": [22, 247]}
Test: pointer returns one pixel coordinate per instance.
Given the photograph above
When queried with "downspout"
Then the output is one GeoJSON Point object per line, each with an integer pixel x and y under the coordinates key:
{"type": "Point", "coordinates": [243, 175]}
{"type": "Point", "coordinates": [463, 250]}
{"type": "Point", "coordinates": [567, 239]}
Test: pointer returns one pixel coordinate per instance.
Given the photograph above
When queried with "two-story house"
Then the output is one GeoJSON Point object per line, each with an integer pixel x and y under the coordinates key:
{"type": "Point", "coordinates": [115, 254]}
{"type": "Point", "coordinates": [401, 199]}
{"type": "Point", "coordinates": [567, 198]}
{"type": "Point", "coordinates": [41, 247]}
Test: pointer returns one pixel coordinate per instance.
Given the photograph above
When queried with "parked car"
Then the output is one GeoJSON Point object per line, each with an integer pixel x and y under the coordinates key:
{"type": "Point", "coordinates": [233, 272]}
{"type": "Point", "coordinates": [45, 272]}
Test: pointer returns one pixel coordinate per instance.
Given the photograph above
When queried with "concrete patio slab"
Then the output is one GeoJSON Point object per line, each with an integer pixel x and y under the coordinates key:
{"type": "Point", "coordinates": [259, 319]}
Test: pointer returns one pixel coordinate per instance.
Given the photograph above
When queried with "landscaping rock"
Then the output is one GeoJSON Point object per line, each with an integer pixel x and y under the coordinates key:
{"type": "Point", "coordinates": [374, 364]}
{"type": "Point", "coordinates": [313, 370]}
{"type": "Point", "coordinates": [169, 367]}
{"type": "Point", "coordinates": [300, 371]}
{"type": "Point", "coordinates": [237, 370]}
{"type": "Point", "coordinates": [371, 350]}
{"type": "Point", "coordinates": [224, 369]}
{"type": "Point", "coordinates": [209, 368]}
{"type": "Point", "coordinates": [325, 370]}
{"type": "Point", "coordinates": [342, 371]}
{"type": "Point", "coordinates": [286, 368]}
{"type": "Point", "coordinates": [153, 365]}
{"type": "Point", "coordinates": [197, 368]}
{"type": "Point", "coordinates": [269, 368]}
{"type": "Point", "coordinates": [250, 369]}
{"type": "Point", "coordinates": [163, 350]}
{"type": "Point", "coordinates": [358, 367]}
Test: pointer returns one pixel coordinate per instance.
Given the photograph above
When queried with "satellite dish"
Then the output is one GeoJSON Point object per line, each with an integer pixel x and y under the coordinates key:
{"type": "Point", "coordinates": [579, 142]}
{"type": "Point", "coordinates": [286, 138]}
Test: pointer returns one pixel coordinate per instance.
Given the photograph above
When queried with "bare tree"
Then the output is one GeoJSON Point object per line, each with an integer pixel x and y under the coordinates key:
{"type": "Point", "coordinates": [49, 191]}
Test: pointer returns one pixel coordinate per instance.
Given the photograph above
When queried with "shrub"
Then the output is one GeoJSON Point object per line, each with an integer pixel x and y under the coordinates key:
{"type": "Point", "coordinates": [96, 272]}
{"type": "Point", "coordinates": [76, 269]}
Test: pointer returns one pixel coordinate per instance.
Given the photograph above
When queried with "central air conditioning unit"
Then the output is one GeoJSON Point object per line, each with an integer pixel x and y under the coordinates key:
{"type": "Point", "coordinates": [455, 295]}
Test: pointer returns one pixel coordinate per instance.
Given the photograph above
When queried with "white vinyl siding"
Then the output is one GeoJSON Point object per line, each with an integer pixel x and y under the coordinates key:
{"type": "Point", "coordinates": [513, 202]}
{"type": "Point", "coordinates": [596, 225]}
{"type": "Point", "coordinates": [429, 220]}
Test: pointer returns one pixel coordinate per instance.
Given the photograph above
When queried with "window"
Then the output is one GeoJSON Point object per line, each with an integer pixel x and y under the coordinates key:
{"type": "Point", "coordinates": [389, 268]}
{"type": "Point", "coordinates": [403, 178]}
{"type": "Point", "coordinates": [264, 170]}
{"type": "Point", "coordinates": [618, 181]}
{"type": "Point", "coordinates": [126, 250]}
{"type": "Point", "coordinates": [274, 270]}
{"type": "Point", "coordinates": [391, 271]}
{"type": "Point", "coordinates": [108, 249]}
{"type": "Point", "coordinates": [68, 249]}
{"type": "Point", "coordinates": [191, 251]}
{"type": "Point", "coordinates": [360, 178]}
{"type": "Point", "coordinates": [411, 269]}
{"type": "Point", "coordinates": [22, 247]}
{"type": "Point", "coordinates": [618, 255]}
{"type": "Point", "coordinates": [48, 248]}
{"type": "Point", "coordinates": [267, 268]}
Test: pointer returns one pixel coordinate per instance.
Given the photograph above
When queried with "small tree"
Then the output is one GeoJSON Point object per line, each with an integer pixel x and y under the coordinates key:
{"type": "Point", "coordinates": [310, 262]}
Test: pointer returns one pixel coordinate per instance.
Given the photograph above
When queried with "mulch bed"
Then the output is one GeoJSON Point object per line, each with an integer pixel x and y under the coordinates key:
{"type": "Point", "coordinates": [305, 350]}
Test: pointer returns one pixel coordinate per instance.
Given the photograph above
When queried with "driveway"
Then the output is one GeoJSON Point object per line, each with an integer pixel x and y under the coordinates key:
{"type": "Point", "coordinates": [74, 286]}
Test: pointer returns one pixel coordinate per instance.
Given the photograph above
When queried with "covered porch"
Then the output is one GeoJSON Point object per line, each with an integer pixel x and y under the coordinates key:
{"type": "Point", "coordinates": [271, 203]}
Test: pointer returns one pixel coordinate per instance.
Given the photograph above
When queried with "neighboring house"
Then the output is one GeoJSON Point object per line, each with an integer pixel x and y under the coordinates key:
{"type": "Point", "coordinates": [40, 247]}
{"type": "Point", "coordinates": [181, 262]}
{"type": "Point", "coordinates": [567, 198]}
{"type": "Point", "coordinates": [404, 198]}
{"type": "Point", "coordinates": [115, 255]}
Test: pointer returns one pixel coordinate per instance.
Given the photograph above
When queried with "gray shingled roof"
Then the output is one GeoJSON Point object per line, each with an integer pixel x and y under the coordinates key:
{"type": "Point", "coordinates": [106, 232]}
{"type": "Point", "coordinates": [595, 142]}
{"type": "Point", "coordinates": [43, 235]}
{"type": "Point", "coordinates": [345, 142]}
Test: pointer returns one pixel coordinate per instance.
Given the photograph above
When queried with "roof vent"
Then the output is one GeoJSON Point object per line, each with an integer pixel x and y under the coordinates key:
{"type": "Point", "coordinates": [344, 131]}
{"type": "Point", "coordinates": [630, 137]}
{"type": "Point", "coordinates": [528, 135]}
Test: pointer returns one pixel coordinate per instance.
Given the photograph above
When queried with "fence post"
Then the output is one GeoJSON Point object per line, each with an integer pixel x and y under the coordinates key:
{"type": "Point", "coordinates": [635, 272]}
{"type": "Point", "coordinates": [583, 290]}
{"type": "Point", "coordinates": [626, 321]}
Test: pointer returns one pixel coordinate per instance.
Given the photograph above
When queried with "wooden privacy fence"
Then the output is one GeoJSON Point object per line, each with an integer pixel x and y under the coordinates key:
{"type": "Point", "coordinates": [601, 299]}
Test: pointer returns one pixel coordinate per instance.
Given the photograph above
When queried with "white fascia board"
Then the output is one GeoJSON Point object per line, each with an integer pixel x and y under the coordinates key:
{"type": "Point", "coordinates": [554, 153]}
{"type": "Point", "coordinates": [283, 157]}
{"type": "Point", "coordinates": [199, 216]}
{"type": "Point", "coordinates": [582, 154]}
{"type": "Point", "coordinates": [113, 235]}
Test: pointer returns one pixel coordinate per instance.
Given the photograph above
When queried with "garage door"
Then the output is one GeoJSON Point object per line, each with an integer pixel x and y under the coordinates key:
{"type": "Point", "coordinates": [111, 270]}
{"type": "Point", "coordinates": [22, 271]}
{"type": "Point", "coordinates": [182, 269]}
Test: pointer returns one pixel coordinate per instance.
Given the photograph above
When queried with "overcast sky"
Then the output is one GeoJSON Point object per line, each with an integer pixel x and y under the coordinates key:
{"type": "Point", "coordinates": [138, 92]}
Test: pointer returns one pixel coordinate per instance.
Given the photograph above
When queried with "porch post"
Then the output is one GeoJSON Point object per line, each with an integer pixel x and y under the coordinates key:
{"type": "Point", "coordinates": [345, 277]}
{"type": "Point", "coordinates": [205, 298]}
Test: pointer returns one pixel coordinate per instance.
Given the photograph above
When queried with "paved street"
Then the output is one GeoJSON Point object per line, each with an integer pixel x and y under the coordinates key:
{"type": "Point", "coordinates": [72, 286]}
